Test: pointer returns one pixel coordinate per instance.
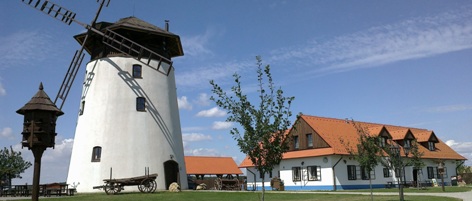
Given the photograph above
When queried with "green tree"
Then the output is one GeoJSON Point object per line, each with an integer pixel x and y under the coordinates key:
{"type": "Point", "coordinates": [415, 160]}
{"type": "Point", "coordinates": [12, 164]}
{"type": "Point", "coordinates": [264, 139]}
{"type": "Point", "coordinates": [367, 153]}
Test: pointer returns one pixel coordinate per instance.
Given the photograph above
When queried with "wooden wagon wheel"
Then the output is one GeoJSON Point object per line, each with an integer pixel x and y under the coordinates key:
{"type": "Point", "coordinates": [147, 185]}
{"type": "Point", "coordinates": [112, 188]}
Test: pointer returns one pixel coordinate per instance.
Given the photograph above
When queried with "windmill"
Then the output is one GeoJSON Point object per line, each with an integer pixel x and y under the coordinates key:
{"type": "Point", "coordinates": [128, 117]}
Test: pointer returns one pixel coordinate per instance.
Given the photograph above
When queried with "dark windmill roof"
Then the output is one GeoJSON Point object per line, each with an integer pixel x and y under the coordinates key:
{"type": "Point", "coordinates": [141, 29]}
{"type": "Point", "coordinates": [40, 101]}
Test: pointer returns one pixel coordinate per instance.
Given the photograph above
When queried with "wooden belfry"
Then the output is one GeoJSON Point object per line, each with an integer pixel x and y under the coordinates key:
{"type": "Point", "coordinates": [39, 130]}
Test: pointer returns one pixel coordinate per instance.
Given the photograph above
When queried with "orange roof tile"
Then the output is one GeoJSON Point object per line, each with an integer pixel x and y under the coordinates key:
{"type": "Point", "coordinates": [333, 131]}
{"type": "Point", "coordinates": [211, 165]}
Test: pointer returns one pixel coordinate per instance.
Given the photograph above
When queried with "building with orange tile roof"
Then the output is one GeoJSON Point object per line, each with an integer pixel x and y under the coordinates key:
{"type": "Point", "coordinates": [319, 158]}
{"type": "Point", "coordinates": [207, 165]}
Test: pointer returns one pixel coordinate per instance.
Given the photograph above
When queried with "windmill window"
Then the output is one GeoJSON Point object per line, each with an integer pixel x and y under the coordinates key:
{"type": "Point", "coordinates": [82, 107]}
{"type": "Point", "coordinates": [141, 104]}
{"type": "Point", "coordinates": [137, 71]}
{"type": "Point", "coordinates": [96, 154]}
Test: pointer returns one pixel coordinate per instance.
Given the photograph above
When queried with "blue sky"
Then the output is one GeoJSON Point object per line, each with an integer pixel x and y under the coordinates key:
{"type": "Point", "coordinates": [405, 63]}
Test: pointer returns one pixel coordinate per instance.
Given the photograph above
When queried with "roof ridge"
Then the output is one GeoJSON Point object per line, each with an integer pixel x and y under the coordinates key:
{"type": "Point", "coordinates": [364, 122]}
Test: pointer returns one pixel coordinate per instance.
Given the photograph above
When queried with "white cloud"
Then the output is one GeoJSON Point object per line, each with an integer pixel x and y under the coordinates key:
{"type": "Point", "coordinates": [463, 148]}
{"type": "Point", "coordinates": [213, 112]}
{"type": "Point", "coordinates": [405, 40]}
{"type": "Point", "coordinates": [202, 152]}
{"type": "Point", "coordinates": [183, 103]}
{"type": "Point", "coordinates": [192, 137]}
{"type": "Point", "coordinates": [203, 99]}
{"type": "Point", "coordinates": [25, 47]}
{"type": "Point", "coordinates": [3, 91]}
{"type": "Point", "coordinates": [195, 128]}
{"type": "Point", "coordinates": [221, 125]}
{"type": "Point", "coordinates": [62, 151]}
{"type": "Point", "coordinates": [200, 76]}
{"type": "Point", "coordinates": [198, 45]}
{"type": "Point", "coordinates": [450, 108]}
{"type": "Point", "coordinates": [6, 133]}
{"type": "Point", "coordinates": [55, 162]}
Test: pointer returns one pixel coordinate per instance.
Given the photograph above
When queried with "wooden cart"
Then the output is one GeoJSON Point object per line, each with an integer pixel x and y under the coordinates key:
{"type": "Point", "coordinates": [227, 184]}
{"type": "Point", "coordinates": [146, 184]}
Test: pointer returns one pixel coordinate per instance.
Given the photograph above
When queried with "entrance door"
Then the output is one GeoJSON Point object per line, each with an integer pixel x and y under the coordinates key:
{"type": "Point", "coordinates": [171, 171]}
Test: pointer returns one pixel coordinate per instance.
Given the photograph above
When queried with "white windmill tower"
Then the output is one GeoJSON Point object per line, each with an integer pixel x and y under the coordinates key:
{"type": "Point", "coordinates": [128, 117]}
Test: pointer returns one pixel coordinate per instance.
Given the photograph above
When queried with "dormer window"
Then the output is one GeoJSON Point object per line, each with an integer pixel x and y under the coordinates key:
{"type": "Point", "coordinates": [431, 146]}
{"type": "Point", "coordinates": [296, 145]}
{"type": "Point", "coordinates": [407, 143]}
{"type": "Point", "coordinates": [382, 141]}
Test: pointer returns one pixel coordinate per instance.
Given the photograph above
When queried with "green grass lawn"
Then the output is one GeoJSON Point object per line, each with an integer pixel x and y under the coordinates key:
{"type": "Point", "coordinates": [448, 189]}
{"type": "Point", "coordinates": [236, 196]}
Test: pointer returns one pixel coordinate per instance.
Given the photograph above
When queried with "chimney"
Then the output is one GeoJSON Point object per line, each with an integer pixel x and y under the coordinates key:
{"type": "Point", "coordinates": [167, 25]}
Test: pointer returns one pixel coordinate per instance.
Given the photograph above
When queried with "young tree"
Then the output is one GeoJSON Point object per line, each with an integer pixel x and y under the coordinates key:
{"type": "Point", "coordinates": [415, 160]}
{"type": "Point", "coordinates": [367, 153]}
{"type": "Point", "coordinates": [264, 139]}
{"type": "Point", "coordinates": [12, 164]}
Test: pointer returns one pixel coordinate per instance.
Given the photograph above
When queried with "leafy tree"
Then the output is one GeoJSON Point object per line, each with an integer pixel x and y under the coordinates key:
{"type": "Point", "coordinates": [12, 164]}
{"type": "Point", "coordinates": [415, 160]}
{"type": "Point", "coordinates": [367, 153]}
{"type": "Point", "coordinates": [264, 139]}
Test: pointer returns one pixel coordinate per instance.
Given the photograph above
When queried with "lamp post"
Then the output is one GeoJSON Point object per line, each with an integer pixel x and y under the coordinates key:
{"type": "Point", "coordinates": [441, 172]}
{"type": "Point", "coordinates": [39, 130]}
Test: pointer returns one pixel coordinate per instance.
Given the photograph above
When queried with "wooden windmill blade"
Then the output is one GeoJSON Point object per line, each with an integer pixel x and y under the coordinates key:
{"type": "Point", "coordinates": [109, 38]}
{"type": "Point", "coordinates": [66, 16]}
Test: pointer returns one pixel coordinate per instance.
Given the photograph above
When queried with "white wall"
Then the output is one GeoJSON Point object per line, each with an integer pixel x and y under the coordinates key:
{"type": "Point", "coordinates": [131, 140]}
{"type": "Point", "coordinates": [340, 170]}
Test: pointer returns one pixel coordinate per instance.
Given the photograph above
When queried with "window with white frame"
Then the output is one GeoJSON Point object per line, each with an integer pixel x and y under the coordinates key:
{"type": "Point", "coordinates": [386, 172]}
{"type": "Point", "coordinates": [365, 175]}
{"type": "Point", "coordinates": [314, 173]}
{"type": "Point", "coordinates": [431, 172]}
{"type": "Point", "coordinates": [351, 172]}
{"type": "Point", "coordinates": [296, 174]}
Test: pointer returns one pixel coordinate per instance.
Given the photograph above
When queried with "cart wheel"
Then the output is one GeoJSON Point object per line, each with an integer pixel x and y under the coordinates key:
{"type": "Point", "coordinates": [112, 188]}
{"type": "Point", "coordinates": [148, 186]}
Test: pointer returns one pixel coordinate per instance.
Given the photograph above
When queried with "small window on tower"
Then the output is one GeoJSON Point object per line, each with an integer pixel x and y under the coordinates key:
{"type": "Point", "coordinates": [137, 71]}
{"type": "Point", "coordinates": [82, 107]}
{"type": "Point", "coordinates": [141, 104]}
{"type": "Point", "coordinates": [96, 154]}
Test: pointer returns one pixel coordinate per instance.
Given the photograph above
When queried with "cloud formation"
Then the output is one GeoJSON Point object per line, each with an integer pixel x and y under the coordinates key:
{"type": "Point", "coordinates": [183, 103]}
{"type": "Point", "coordinates": [213, 112]}
{"type": "Point", "coordinates": [450, 108]}
{"type": "Point", "coordinates": [221, 125]}
{"type": "Point", "coordinates": [24, 47]}
{"type": "Point", "coordinates": [203, 99]}
{"type": "Point", "coordinates": [463, 148]}
{"type": "Point", "coordinates": [6, 133]}
{"type": "Point", "coordinates": [3, 91]}
{"type": "Point", "coordinates": [409, 39]}
{"type": "Point", "coordinates": [193, 137]}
